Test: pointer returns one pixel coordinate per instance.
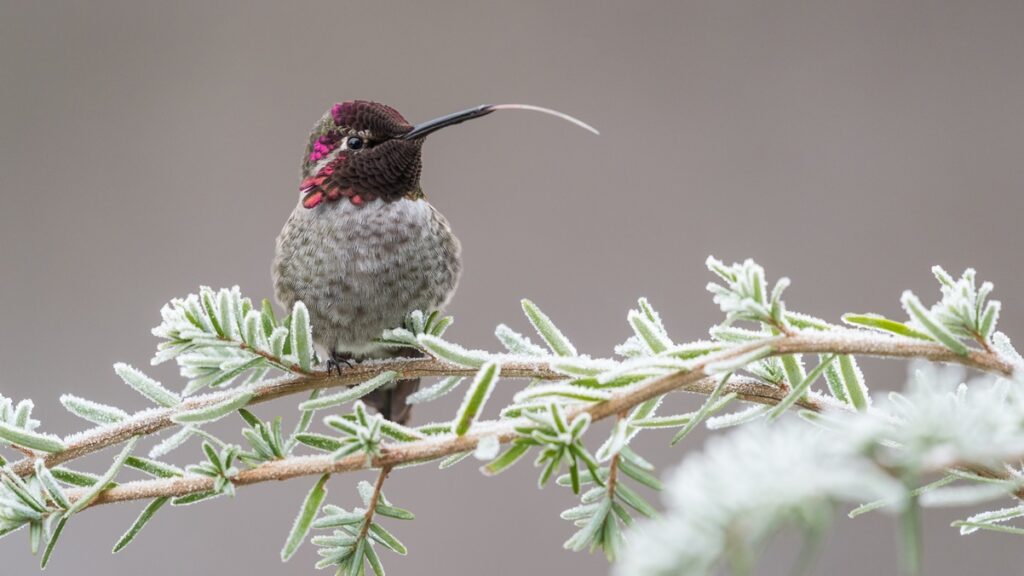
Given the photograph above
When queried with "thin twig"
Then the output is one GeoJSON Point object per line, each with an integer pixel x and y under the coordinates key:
{"type": "Point", "coordinates": [371, 508]}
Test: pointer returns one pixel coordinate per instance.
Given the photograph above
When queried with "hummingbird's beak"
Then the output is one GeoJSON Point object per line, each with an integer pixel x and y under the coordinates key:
{"type": "Point", "coordinates": [430, 126]}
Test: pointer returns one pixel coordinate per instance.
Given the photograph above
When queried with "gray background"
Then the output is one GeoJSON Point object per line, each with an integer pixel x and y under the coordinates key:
{"type": "Point", "coordinates": [148, 149]}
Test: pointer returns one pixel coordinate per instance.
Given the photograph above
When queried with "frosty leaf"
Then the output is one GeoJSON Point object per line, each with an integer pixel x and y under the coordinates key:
{"type": "Point", "coordinates": [744, 293]}
{"type": "Point", "coordinates": [74, 477]}
{"type": "Point", "coordinates": [476, 397]}
{"type": "Point", "coordinates": [705, 409]}
{"type": "Point", "coordinates": [972, 526]}
{"type": "Point", "coordinates": [319, 442]}
{"type": "Point", "coordinates": [582, 366]}
{"type": "Point", "coordinates": [154, 468]}
{"type": "Point", "coordinates": [453, 460]}
{"type": "Point", "coordinates": [146, 386]}
{"type": "Point", "coordinates": [171, 442]}
{"type": "Point", "coordinates": [356, 392]}
{"type": "Point", "coordinates": [965, 310]}
{"type": "Point", "coordinates": [31, 440]}
{"type": "Point", "coordinates": [648, 332]}
{"type": "Point", "coordinates": [147, 514]}
{"type": "Point", "coordinates": [966, 495]}
{"type": "Point", "coordinates": [922, 316]}
{"type": "Point", "coordinates": [990, 518]}
{"type": "Point", "coordinates": [51, 486]}
{"type": "Point", "coordinates": [877, 504]}
{"type": "Point", "coordinates": [566, 391]}
{"type": "Point", "coordinates": [639, 474]}
{"type": "Point", "coordinates": [547, 330]}
{"type": "Point", "coordinates": [101, 485]}
{"type": "Point", "coordinates": [453, 352]}
{"type": "Point", "coordinates": [800, 390]}
{"type": "Point", "coordinates": [883, 324]}
{"type": "Point", "coordinates": [307, 513]}
{"type": "Point", "coordinates": [744, 416]}
{"type": "Point", "coordinates": [853, 380]}
{"type": "Point", "coordinates": [52, 541]}
{"type": "Point", "coordinates": [214, 411]}
{"type": "Point", "coordinates": [730, 365]}
{"type": "Point", "coordinates": [302, 336]}
{"type": "Point", "coordinates": [518, 449]}
{"type": "Point", "coordinates": [516, 343]}
{"type": "Point", "coordinates": [92, 411]}
{"type": "Point", "coordinates": [378, 533]}
{"type": "Point", "coordinates": [443, 387]}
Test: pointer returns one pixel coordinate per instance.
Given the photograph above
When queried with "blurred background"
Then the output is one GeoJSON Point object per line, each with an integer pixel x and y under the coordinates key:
{"type": "Point", "coordinates": [149, 148]}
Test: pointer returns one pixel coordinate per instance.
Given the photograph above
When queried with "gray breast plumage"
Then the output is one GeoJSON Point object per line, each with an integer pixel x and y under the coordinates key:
{"type": "Point", "coordinates": [361, 269]}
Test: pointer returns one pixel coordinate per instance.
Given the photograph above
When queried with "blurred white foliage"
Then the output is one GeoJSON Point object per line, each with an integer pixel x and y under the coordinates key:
{"type": "Point", "coordinates": [724, 501]}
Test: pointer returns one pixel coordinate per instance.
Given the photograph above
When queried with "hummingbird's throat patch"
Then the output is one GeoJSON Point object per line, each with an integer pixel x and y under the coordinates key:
{"type": "Point", "coordinates": [324, 187]}
{"type": "Point", "coordinates": [317, 196]}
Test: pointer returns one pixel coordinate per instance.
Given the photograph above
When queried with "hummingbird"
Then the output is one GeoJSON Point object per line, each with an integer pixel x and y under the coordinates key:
{"type": "Point", "coordinates": [363, 247]}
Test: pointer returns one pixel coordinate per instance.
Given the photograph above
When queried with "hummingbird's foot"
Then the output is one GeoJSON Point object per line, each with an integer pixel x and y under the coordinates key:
{"type": "Point", "coordinates": [334, 364]}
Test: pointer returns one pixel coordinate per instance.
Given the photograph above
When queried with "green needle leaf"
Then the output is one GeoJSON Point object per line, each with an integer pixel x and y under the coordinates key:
{"type": "Point", "coordinates": [214, 411]}
{"type": "Point", "coordinates": [452, 352]}
{"type": "Point", "coordinates": [147, 514]}
{"type": "Point", "coordinates": [918, 312]}
{"type": "Point", "coordinates": [351, 394]}
{"type": "Point", "coordinates": [302, 336]}
{"type": "Point", "coordinates": [883, 324]}
{"type": "Point", "coordinates": [304, 520]}
{"type": "Point", "coordinates": [146, 386]}
{"type": "Point", "coordinates": [647, 331]}
{"type": "Point", "coordinates": [386, 538]}
{"type": "Point", "coordinates": [476, 397]}
{"type": "Point", "coordinates": [54, 536]}
{"type": "Point", "coordinates": [101, 485]}
{"type": "Point", "coordinates": [547, 330]}
{"type": "Point", "coordinates": [319, 441]}
{"type": "Point", "coordinates": [510, 457]}
{"type": "Point", "coordinates": [31, 440]}
{"type": "Point", "coordinates": [49, 483]}
{"type": "Point", "coordinates": [92, 411]}
{"type": "Point", "coordinates": [800, 390]}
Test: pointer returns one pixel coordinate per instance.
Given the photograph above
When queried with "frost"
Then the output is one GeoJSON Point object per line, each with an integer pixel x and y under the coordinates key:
{"type": "Point", "coordinates": [443, 387]}
{"type": "Point", "coordinates": [759, 477]}
{"type": "Point", "coordinates": [516, 343]}
{"type": "Point", "coordinates": [167, 445]}
{"type": "Point", "coordinates": [939, 420]}
{"type": "Point", "coordinates": [744, 416]}
{"type": "Point", "coordinates": [487, 448]}
{"type": "Point", "coordinates": [93, 411]}
{"type": "Point", "coordinates": [744, 294]}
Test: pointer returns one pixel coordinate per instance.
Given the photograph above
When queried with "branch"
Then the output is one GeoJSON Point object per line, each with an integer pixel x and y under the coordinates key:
{"type": "Point", "coordinates": [695, 381]}
{"type": "Point", "coordinates": [152, 421]}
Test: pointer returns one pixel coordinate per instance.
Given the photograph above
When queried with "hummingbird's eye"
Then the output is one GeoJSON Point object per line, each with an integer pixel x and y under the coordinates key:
{"type": "Point", "coordinates": [354, 143]}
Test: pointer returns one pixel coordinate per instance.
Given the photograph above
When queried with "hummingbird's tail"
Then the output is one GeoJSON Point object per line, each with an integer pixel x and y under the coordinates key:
{"type": "Point", "coordinates": [392, 402]}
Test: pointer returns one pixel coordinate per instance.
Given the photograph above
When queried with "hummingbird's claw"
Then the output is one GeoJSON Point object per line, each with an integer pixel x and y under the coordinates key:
{"type": "Point", "coordinates": [335, 362]}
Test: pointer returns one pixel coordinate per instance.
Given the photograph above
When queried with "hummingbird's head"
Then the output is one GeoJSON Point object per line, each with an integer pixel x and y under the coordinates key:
{"type": "Point", "coordinates": [356, 151]}
{"type": "Point", "coordinates": [363, 151]}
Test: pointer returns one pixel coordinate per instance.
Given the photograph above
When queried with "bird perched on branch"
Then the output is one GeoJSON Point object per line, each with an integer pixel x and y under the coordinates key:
{"type": "Point", "coordinates": [363, 248]}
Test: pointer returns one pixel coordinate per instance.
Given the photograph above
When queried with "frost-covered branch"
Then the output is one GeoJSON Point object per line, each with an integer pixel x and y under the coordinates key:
{"type": "Point", "coordinates": [694, 381]}
{"type": "Point", "coordinates": [840, 342]}
{"type": "Point", "coordinates": [249, 356]}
